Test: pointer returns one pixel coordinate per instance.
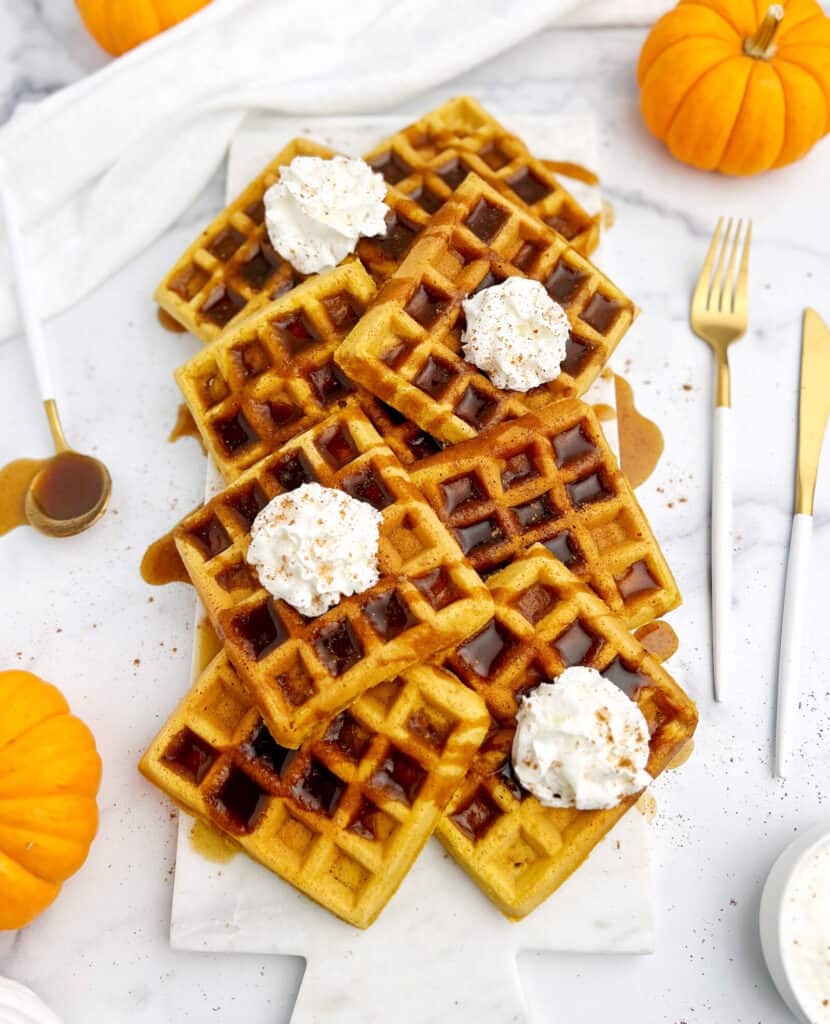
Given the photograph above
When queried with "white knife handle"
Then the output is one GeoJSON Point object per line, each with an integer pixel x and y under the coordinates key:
{"type": "Point", "coordinates": [792, 620]}
{"type": "Point", "coordinates": [721, 547]}
{"type": "Point", "coordinates": [21, 270]}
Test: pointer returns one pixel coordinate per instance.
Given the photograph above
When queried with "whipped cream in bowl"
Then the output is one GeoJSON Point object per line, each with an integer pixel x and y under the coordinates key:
{"type": "Point", "coordinates": [315, 545]}
{"type": "Point", "coordinates": [581, 742]}
{"type": "Point", "coordinates": [318, 210]}
{"type": "Point", "coordinates": [516, 334]}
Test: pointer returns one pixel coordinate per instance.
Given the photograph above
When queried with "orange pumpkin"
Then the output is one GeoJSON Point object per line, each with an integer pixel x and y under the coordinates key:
{"type": "Point", "coordinates": [49, 776]}
{"type": "Point", "coordinates": [119, 25]}
{"type": "Point", "coordinates": [738, 86]}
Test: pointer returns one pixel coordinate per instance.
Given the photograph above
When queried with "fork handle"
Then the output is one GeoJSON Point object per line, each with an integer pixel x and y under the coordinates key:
{"type": "Point", "coordinates": [792, 620]}
{"type": "Point", "coordinates": [721, 554]}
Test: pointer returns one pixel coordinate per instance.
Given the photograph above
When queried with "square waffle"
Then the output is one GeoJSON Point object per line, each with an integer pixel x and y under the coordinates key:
{"type": "Point", "coordinates": [429, 159]}
{"type": "Point", "coordinates": [232, 269]}
{"type": "Point", "coordinates": [545, 620]}
{"type": "Point", "coordinates": [344, 817]}
{"type": "Point", "coordinates": [407, 348]}
{"type": "Point", "coordinates": [273, 377]}
{"type": "Point", "coordinates": [303, 671]}
{"type": "Point", "coordinates": [550, 477]}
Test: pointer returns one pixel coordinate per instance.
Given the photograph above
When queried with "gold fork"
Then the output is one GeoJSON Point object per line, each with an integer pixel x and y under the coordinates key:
{"type": "Point", "coordinates": [719, 315]}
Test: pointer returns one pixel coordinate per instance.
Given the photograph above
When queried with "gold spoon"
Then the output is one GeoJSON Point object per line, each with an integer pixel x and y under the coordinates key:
{"type": "Point", "coordinates": [71, 491]}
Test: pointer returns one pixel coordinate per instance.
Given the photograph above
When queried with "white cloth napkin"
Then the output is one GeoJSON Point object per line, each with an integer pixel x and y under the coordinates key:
{"type": "Point", "coordinates": [101, 168]}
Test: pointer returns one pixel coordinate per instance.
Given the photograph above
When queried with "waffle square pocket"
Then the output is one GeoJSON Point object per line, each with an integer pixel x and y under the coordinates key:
{"type": "Point", "coordinates": [344, 817]}
{"type": "Point", "coordinates": [301, 671]}
{"type": "Point", "coordinates": [406, 350]}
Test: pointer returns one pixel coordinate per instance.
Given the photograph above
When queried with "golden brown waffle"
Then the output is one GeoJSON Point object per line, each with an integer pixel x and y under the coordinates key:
{"type": "Point", "coordinates": [232, 269]}
{"type": "Point", "coordinates": [302, 671]}
{"type": "Point", "coordinates": [429, 159]}
{"type": "Point", "coordinates": [273, 377]}
{"type": "Point", "coordinates": [406, 349]}
{"type": "Point", "coordinates": [344, 817]}
{"type": "Point", "coordinates": [550, 477]}
{"type": "Point", "coordinates": [518, 851]}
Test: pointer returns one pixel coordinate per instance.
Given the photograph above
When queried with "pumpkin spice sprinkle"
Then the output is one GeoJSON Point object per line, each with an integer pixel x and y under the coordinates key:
{"type": "Point", "coordinates": [314, 545]}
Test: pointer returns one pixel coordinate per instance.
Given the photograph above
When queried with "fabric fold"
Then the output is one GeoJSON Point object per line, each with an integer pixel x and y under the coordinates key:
{"type": "Point", "coordinates": [102, 168]}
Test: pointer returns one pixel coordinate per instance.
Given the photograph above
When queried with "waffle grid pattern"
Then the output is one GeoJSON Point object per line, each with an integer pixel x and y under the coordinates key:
{"type": "Point", "coordinates": [407, 348]}
{"type": "Point", "coordinates": [550, 477]}
{"type": "Point", "coordinates": [342, 818]}
{"type": "Point", "coordinates": [303, 671]}
{"type": "Point", "coordinates": [273, 377]}
{"type": "Point", "coordinates": [429, 159]}
{"type": "Point", "coordinates": [232, 269]}
{"type": "Point", "coordinates": [545, 620]}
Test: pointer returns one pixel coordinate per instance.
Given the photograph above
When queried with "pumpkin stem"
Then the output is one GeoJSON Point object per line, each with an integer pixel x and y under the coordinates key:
{"type": "Point", "coordinates": [761, 46]}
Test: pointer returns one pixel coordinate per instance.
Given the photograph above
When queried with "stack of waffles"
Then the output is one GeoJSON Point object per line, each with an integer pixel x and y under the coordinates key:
{"type": "Point", "coordinates": [511, 546]}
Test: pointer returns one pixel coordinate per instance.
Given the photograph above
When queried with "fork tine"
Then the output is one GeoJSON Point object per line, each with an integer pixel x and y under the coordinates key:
{"type": "Point", "coordinates": [726, 298]}
{"type": "Point", "coordinates": [717, 285]}
{"type": "Point", "coordinates": [701, 291]}
{"type": "Point", "coordinates": [742, 290]}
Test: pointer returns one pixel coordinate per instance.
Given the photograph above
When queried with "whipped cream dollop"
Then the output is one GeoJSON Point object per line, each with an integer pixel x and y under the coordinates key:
{"type": "Point", "coordinates": [580, 742]}
{"type": "Point", "coordinates": [516, 333]}
{"type": "Point", "coordinates": [319, 208]}
{"type": "Point", "coordinates": [314, 545]}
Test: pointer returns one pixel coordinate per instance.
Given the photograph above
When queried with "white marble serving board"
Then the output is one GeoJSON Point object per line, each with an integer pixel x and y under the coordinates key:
{"type": "Point", "coordinates": [440, 950]}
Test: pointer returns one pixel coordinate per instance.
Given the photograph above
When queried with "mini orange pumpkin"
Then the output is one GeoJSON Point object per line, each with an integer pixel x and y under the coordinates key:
{"type": "Point", "coordinates": [119, 25]}
{"type": "Point", "coordinates": [49, 776]}
{"type": "Point", "coordinates": [738, 86]}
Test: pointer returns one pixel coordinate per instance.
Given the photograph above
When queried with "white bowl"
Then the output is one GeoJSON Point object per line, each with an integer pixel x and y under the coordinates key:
{"type": "Point", "coordinates": [772, 907]}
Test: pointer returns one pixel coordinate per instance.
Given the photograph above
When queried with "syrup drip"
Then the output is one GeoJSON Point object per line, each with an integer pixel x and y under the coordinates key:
{"type": "Point", "coordinates": [185, 426]}
{"type": "Point", "coordinates": [682, 756]}
{"type": "Point", "coordinates": [162, 563]}
{"type": "Point", "coordinates": [659, 639]}
{"type": "Point", "coordinates": [210, 844]}
{"type": "Point", "coordinates": [170, 323]}
{"type": "Point", "coordinates": [641, 440]}
{"type": "Point", "coordinates": [571, 170]}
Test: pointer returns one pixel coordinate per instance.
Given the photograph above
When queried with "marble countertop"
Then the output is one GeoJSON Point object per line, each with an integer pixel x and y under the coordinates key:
{"type": "Point", "coordinates": [78, 613]}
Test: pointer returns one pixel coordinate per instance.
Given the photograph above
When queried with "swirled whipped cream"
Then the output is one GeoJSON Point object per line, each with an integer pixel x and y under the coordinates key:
{"type": "Point", "coordinates": [580, 742]}
{"type": "Point", "coordinates": [516, 333]}
{"type": "Point", "coordinates": [318, 210]}
{"type": "Point", "coordinates": [314, 545]}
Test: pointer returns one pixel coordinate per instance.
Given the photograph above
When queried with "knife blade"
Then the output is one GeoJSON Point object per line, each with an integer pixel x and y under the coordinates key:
{"type": "Point", "coordinates": [814, 407]}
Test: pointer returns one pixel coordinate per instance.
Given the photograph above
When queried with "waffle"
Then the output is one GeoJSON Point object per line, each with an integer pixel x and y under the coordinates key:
{"type": "Point", "coordinates": [232, 269]}
{"type": "Point", "coordinates": [344, 817]}
{"type": "Point", "coordinates": [406, 349]}
{"type": "Point", "coordinates": [550, 477]}
{"type": "Point", "coordinates": [518, 851]}
{"type": "Point", "coordinates": [303, 671]}
{"type": "Point", "coordinates": [273, 377]}
{"type": "Point", "coordinates": [430, 158]}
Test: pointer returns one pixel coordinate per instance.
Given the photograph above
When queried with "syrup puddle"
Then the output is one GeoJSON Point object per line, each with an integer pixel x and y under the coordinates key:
{"type": "Point", "coordinates": [14, 483]}
{"type": "Point", "coordinates": [641, 440]}
{"type": "Point", "coordinates": [659, 639]}
{"type": "Point", "coordinates": [647, 806]}
{"type": "Point", "coordinates": [185, 426]}
{"type": "Point", "coordinates": [170, 323]}
{"type": "Point", "coordinates": [162, 563]}
{"type": "Point", "coordinates": [210, 844]}
{"type": "Point", "coordinates": [682, 756]}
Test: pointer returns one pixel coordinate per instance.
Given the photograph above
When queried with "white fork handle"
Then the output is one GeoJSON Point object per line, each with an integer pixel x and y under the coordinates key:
{"type": "Point", "coordinates": [32, 325]}
{"type": "Point", "coordinates": [721, 546]}
{"type": "Point", "coordinates": [792, 621]}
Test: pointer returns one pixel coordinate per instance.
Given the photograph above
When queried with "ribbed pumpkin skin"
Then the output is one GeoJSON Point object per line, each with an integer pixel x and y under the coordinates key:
{"type": "Point", "coordinates": [119, 25]}
{"type": "Point", "coordinates": [50, 772]}
{"type": "Point", "coordinates": [717, 108]}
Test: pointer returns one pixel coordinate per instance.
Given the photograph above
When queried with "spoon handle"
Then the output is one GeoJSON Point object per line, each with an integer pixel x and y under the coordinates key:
{"type": "Point", "coordinates": [32, 324]}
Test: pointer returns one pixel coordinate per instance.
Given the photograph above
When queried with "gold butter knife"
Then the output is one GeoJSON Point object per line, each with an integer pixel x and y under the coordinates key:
{"type": "Point", "coordinates": [814, 408]}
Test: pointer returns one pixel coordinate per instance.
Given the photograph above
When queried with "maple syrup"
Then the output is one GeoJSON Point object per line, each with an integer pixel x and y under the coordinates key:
{"type": "Point", "coordinates": [162, 563]}
{"type": "Point", "coordinates": [659, 639]}
{"type": "Point", "coordinates": [68, 486]}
